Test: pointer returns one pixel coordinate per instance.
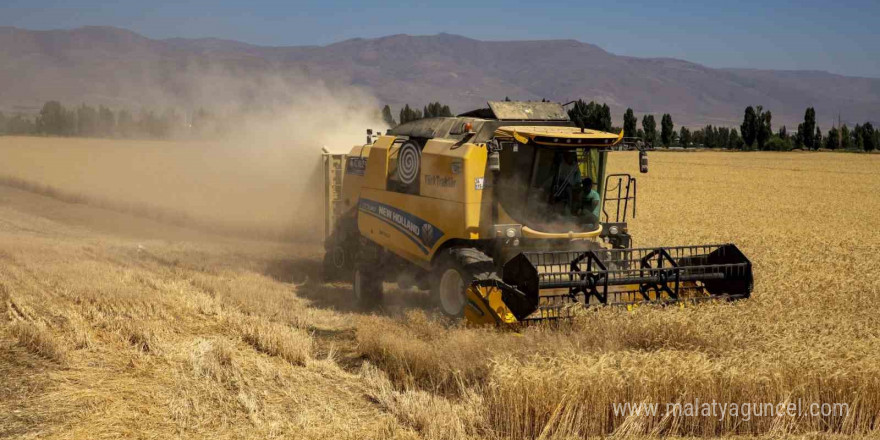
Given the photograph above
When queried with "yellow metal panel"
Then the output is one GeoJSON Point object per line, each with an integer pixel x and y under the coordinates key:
{"type": "Point", "coordinates": [472, 217]}
{"type": "Point", "coordinates": [451, 171]}
{"type": "Point", "coordinates": [442, 171]}
{"type": "Point", "coordinates": [456, 173]}
{"type": "Point", "coordinates": [474, 172]}
{"type": "Point", "coordinates": [354, 175]}
{"type": "Point", "coordinates": [377, 171]}
{"type": "Point", "coordinates": [485, 305]}
{"type": "Point", "coordinates": [566, 135]}
{"type": "Point", "coordinates": [411, 226]}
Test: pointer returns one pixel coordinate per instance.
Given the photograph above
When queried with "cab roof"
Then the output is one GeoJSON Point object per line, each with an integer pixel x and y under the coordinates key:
{"type": "Point", "coordinates": [521, 111]}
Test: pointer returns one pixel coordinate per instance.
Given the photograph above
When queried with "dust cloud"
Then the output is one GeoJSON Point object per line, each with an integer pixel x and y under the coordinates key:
{"type": "Point", "coordinates": [262, 174]}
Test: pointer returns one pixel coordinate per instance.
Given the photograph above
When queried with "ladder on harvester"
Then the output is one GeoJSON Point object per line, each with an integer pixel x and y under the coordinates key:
{"type": "Point", "coordinates": [333, 172]}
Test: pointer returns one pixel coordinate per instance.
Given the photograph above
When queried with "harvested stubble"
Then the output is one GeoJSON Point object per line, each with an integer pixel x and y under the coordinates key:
{"type": "Point", "coordinates": [160, 331]}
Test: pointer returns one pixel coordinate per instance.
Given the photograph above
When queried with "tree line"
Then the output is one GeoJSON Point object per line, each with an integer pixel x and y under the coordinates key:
{"type": "Point", "coordinates": [55, 119]}
{"type": "Point", "coordinates": [597, 116]}
{"type": "Point", "coordinates": [755, 132]}
{"type": "Point", "coordinates": [408, 114]}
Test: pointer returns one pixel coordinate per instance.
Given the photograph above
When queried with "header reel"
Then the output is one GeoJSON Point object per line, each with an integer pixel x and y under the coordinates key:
{"type": "Point", "coordinates": [546, 286]}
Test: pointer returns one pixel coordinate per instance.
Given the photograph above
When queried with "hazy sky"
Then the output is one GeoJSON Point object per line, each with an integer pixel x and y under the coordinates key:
{"type": "Point", "coordinates": [841, 37]}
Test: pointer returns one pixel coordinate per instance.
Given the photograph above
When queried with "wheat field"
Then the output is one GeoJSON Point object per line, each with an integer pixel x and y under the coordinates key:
{"type": "Point", "coordinates": [121, 322]}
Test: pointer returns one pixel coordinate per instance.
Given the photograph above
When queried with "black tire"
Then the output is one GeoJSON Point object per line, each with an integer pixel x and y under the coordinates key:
{"type": "Point", "coordinates": [453, 272]}
{"type": "Point", "coordinates": [341, 249]}
{"type": "Point", "coordinates": [336, 264]}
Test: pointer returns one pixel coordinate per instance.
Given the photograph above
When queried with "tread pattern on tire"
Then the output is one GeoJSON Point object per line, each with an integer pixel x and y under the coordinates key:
{"type": "Point", "coordinates": [479, 265]}
{"type": "Point", "coordinates": [475, 264]}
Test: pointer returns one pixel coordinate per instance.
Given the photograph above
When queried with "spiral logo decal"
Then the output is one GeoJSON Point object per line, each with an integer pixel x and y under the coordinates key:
{"type": "Point", "coordinates": [408, 161]}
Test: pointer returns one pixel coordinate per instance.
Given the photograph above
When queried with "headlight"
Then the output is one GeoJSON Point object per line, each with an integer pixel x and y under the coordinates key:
{"type": "Point", "coordinates": [613, 230]}
{"type": "Point", "coordinates": [510, 232]}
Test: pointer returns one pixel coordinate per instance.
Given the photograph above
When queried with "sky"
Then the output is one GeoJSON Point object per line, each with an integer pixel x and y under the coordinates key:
{"type": "Point", "coordinates": [841, 37]}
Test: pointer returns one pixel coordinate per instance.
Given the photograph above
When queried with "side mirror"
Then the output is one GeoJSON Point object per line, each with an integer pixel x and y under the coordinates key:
{"type": "Point", "coordinates": [369, 135]}
{"type": "Point", "coordinates": [643, 161]}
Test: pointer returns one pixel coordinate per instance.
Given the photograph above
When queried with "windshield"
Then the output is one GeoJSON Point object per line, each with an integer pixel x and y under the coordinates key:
{"type": "Point", "coordinates": [551, 189]}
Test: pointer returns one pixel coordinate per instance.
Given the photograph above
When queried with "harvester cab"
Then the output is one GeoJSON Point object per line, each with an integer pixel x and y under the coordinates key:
{"type": "Point", "coordinates": [506, 214]}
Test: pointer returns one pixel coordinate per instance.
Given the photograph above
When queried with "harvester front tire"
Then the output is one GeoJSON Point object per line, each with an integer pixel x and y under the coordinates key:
{"type": "Point", "coordinates": [367, 288]}
{"type": "Point", "coordinates": [454, 273]}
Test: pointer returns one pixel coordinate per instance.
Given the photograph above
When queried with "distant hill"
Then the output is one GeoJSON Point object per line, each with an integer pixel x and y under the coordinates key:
{"type": "Point", "coordinates": [102, 65]}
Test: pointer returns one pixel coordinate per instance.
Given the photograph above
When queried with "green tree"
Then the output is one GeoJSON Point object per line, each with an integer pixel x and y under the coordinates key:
{"type": "Point", "coordinates": [604, 118]}
{"type": "Point", "coordinates": [710, 137]}
{"type": "Point", "coordinates": [629, 123]}
{"type": "Point", "coordinates": [833, 139]}
{"type": "Point", "coordinates": [734, 140]}
{"type": "Point", "coordinates": [808, 129]}
{"type": "Point", "coordinates": [845, 139]}
{"type": "Point", "coordinates": [857, 138]}
{"type": "Point", "coordinates": [579, 113]}
{"type": "Point", "coordinates": [817, 139]}
{"type": "Point", "coordinates": [649, 125]}
{"type": "Point", "coordinates": [749, 127]}
{"type": "Point", "coordinates": [698, 138]}
{"type": "Point", "coordinates": [592, 115]}
{"type": "Point", "coordinates": [684, 137]}
{"type": "Point", "coordinates": [2, 123]}
{"type": "Point", "coordinates": [445, 111]}
{"type": "Point", "coordinates": [724, 137]}
{"type": "Point", "coordinates": [764, 128]}
{"type": "Point", "coordinates": [876, 142]}
{"type": "Point", "coordinates": [869, 137]}
{"type": "Point", "coordinates": [51, 119]}
{"type": "Point", "coordinates": [407, 114]}
{"type": "Point", "coordinates": [666, 130]}
{"type": "Point", "coordinates": [436, 109]}
{"type": "Point", "coordinates": [387, 117]}
{"type": "Point", "coordinates": [777, 143]}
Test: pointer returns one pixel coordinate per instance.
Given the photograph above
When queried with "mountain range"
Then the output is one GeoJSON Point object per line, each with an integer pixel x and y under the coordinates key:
{"type": "Point", "coordinates": [120, 68]}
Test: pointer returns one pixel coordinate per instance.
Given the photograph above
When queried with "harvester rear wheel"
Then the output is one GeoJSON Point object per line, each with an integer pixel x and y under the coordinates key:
{"type": "Point", "coordinates": [454, 272]}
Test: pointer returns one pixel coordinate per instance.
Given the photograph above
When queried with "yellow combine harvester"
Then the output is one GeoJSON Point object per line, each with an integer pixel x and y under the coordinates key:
{"type": "Point", "coordinates": [506, 214]}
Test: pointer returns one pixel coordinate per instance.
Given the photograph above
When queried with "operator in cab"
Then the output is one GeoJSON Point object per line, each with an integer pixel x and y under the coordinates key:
{"type": "Point", "coordinates": [569, 192]}
{"type": "Point", "coordinates": [590, 202]}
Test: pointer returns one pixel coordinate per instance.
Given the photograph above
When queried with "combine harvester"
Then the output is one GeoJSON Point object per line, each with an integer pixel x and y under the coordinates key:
{"type": "Point", "coordinates": [506, 214]}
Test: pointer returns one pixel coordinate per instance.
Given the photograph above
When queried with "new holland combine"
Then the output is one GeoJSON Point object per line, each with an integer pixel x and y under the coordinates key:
{"type": "Point", "coordinates": [506, 214]}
